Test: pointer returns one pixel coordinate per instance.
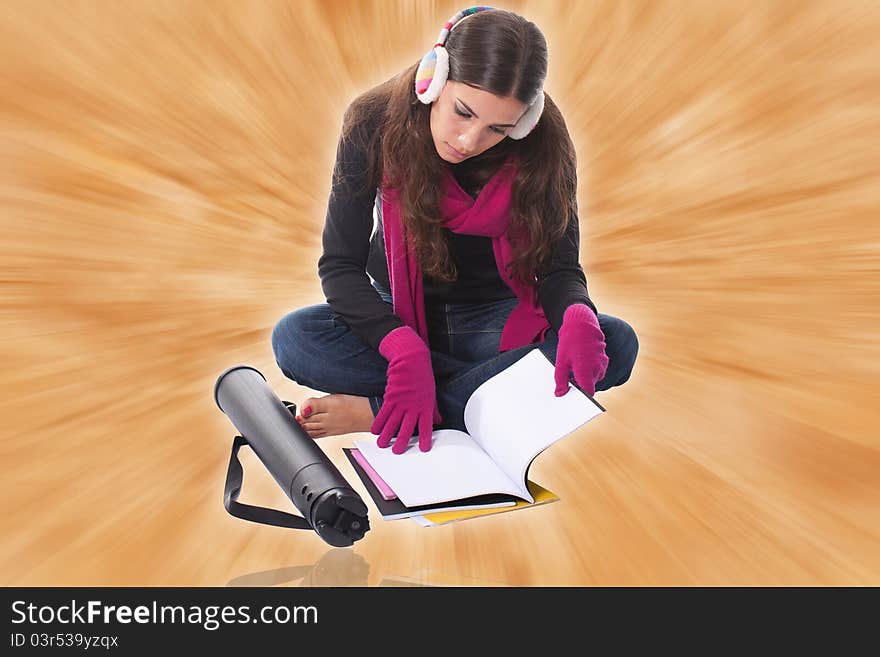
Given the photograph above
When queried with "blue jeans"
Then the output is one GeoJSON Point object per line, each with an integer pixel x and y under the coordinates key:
{"type": "Point", "coordinates": [316, 348]}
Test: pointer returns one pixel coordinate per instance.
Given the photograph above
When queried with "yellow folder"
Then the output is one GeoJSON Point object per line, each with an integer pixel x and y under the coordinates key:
{"type": "Point", "coordinates": [541, 495]}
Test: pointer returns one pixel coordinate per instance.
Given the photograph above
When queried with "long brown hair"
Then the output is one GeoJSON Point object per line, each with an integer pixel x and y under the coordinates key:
{"type": "Point", "coordinates": [502, 53]}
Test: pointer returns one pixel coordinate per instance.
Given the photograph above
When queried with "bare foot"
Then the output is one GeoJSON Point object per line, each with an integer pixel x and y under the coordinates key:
{"type": "Point", "coordinates": [335, 415]}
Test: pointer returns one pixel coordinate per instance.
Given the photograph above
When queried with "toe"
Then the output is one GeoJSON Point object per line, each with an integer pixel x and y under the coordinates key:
{"type": "Point", "coordinates": [313, 406]}
{"type": "Point", "coordinates": [315, 431]}
{"type": "Point", "coordinates": [311, 433]}
{"type": "Point", "coordinates": [307, 407]}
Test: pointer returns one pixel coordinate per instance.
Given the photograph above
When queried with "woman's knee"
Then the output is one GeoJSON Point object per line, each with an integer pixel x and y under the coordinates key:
{"type": "Point", "coordinates": [622, 347]}
{"type": "Point", "coordinates": [290, 337]}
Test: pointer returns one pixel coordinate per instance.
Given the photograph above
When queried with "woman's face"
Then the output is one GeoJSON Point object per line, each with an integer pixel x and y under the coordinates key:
{"type": "Point", "coordinates": [466, 121]}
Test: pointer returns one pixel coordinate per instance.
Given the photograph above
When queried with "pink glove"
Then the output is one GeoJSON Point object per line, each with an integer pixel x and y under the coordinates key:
{"type": "Point", "coordinates": [581, 349]}
{"type": "Point", "coordinates": [410, 392]}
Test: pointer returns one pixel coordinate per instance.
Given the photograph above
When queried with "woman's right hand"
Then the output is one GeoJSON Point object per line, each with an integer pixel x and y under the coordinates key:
{"type": "Point", "coordinates": [410, 393]}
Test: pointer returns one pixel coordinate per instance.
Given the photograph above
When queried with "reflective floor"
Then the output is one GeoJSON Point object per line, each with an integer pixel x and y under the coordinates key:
{"type": "Point", "coordinates": [163, 187]}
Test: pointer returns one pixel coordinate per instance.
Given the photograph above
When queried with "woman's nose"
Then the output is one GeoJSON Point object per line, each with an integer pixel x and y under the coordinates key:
{"type": "Point", "coordinates": [467, 141]}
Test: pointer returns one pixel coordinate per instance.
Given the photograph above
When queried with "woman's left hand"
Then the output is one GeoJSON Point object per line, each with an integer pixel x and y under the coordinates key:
{"type": "Point", "coordinates": [581, 350]}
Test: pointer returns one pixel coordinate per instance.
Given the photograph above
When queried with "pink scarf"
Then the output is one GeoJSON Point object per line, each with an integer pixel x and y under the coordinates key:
{"type": "Point", "coordinates": [487, 215]}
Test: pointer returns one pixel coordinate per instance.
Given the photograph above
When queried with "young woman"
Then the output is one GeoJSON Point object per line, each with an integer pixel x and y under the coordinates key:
{"type": "Point", "coordinates": [472, 260]}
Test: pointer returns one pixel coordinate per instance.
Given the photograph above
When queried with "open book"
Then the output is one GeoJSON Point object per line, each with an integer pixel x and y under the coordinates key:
{"type": "Point", "coordinates": [511, 418]}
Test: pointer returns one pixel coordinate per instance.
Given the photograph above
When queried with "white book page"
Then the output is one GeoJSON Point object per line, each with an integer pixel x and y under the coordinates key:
{"type": "Point", "coordinates": [515, 415]}
{"type": "Point", "coordinates": [454, 468]}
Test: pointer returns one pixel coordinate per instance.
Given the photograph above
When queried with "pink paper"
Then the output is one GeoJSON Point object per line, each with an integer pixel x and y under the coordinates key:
{"type": "Point", "coordinates": [384, 489]}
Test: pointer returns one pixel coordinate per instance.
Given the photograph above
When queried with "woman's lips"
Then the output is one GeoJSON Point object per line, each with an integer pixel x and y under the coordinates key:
{"type": "Point", "coordinates": [456, 153]}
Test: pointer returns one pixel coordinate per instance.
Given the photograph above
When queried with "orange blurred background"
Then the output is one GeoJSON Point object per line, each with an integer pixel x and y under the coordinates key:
{"type": "Point", "coordinates": [164, 178]}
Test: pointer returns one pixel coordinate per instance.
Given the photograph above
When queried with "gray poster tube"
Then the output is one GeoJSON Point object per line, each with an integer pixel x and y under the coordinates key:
{"type": "Point", "coordinates": [315, 486]}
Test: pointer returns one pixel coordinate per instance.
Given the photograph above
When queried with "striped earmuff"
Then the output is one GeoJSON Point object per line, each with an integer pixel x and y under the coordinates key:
{"type": "Point", "coordinates": [434, 69]}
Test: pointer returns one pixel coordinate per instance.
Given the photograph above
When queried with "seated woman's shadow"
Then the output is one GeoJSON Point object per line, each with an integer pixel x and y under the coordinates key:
{"type": "Point", "coordinates": [338, 567]}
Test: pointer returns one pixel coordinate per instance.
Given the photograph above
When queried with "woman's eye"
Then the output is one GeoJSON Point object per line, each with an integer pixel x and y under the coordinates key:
{"type": "Point", "coordinates": [499, 131]}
